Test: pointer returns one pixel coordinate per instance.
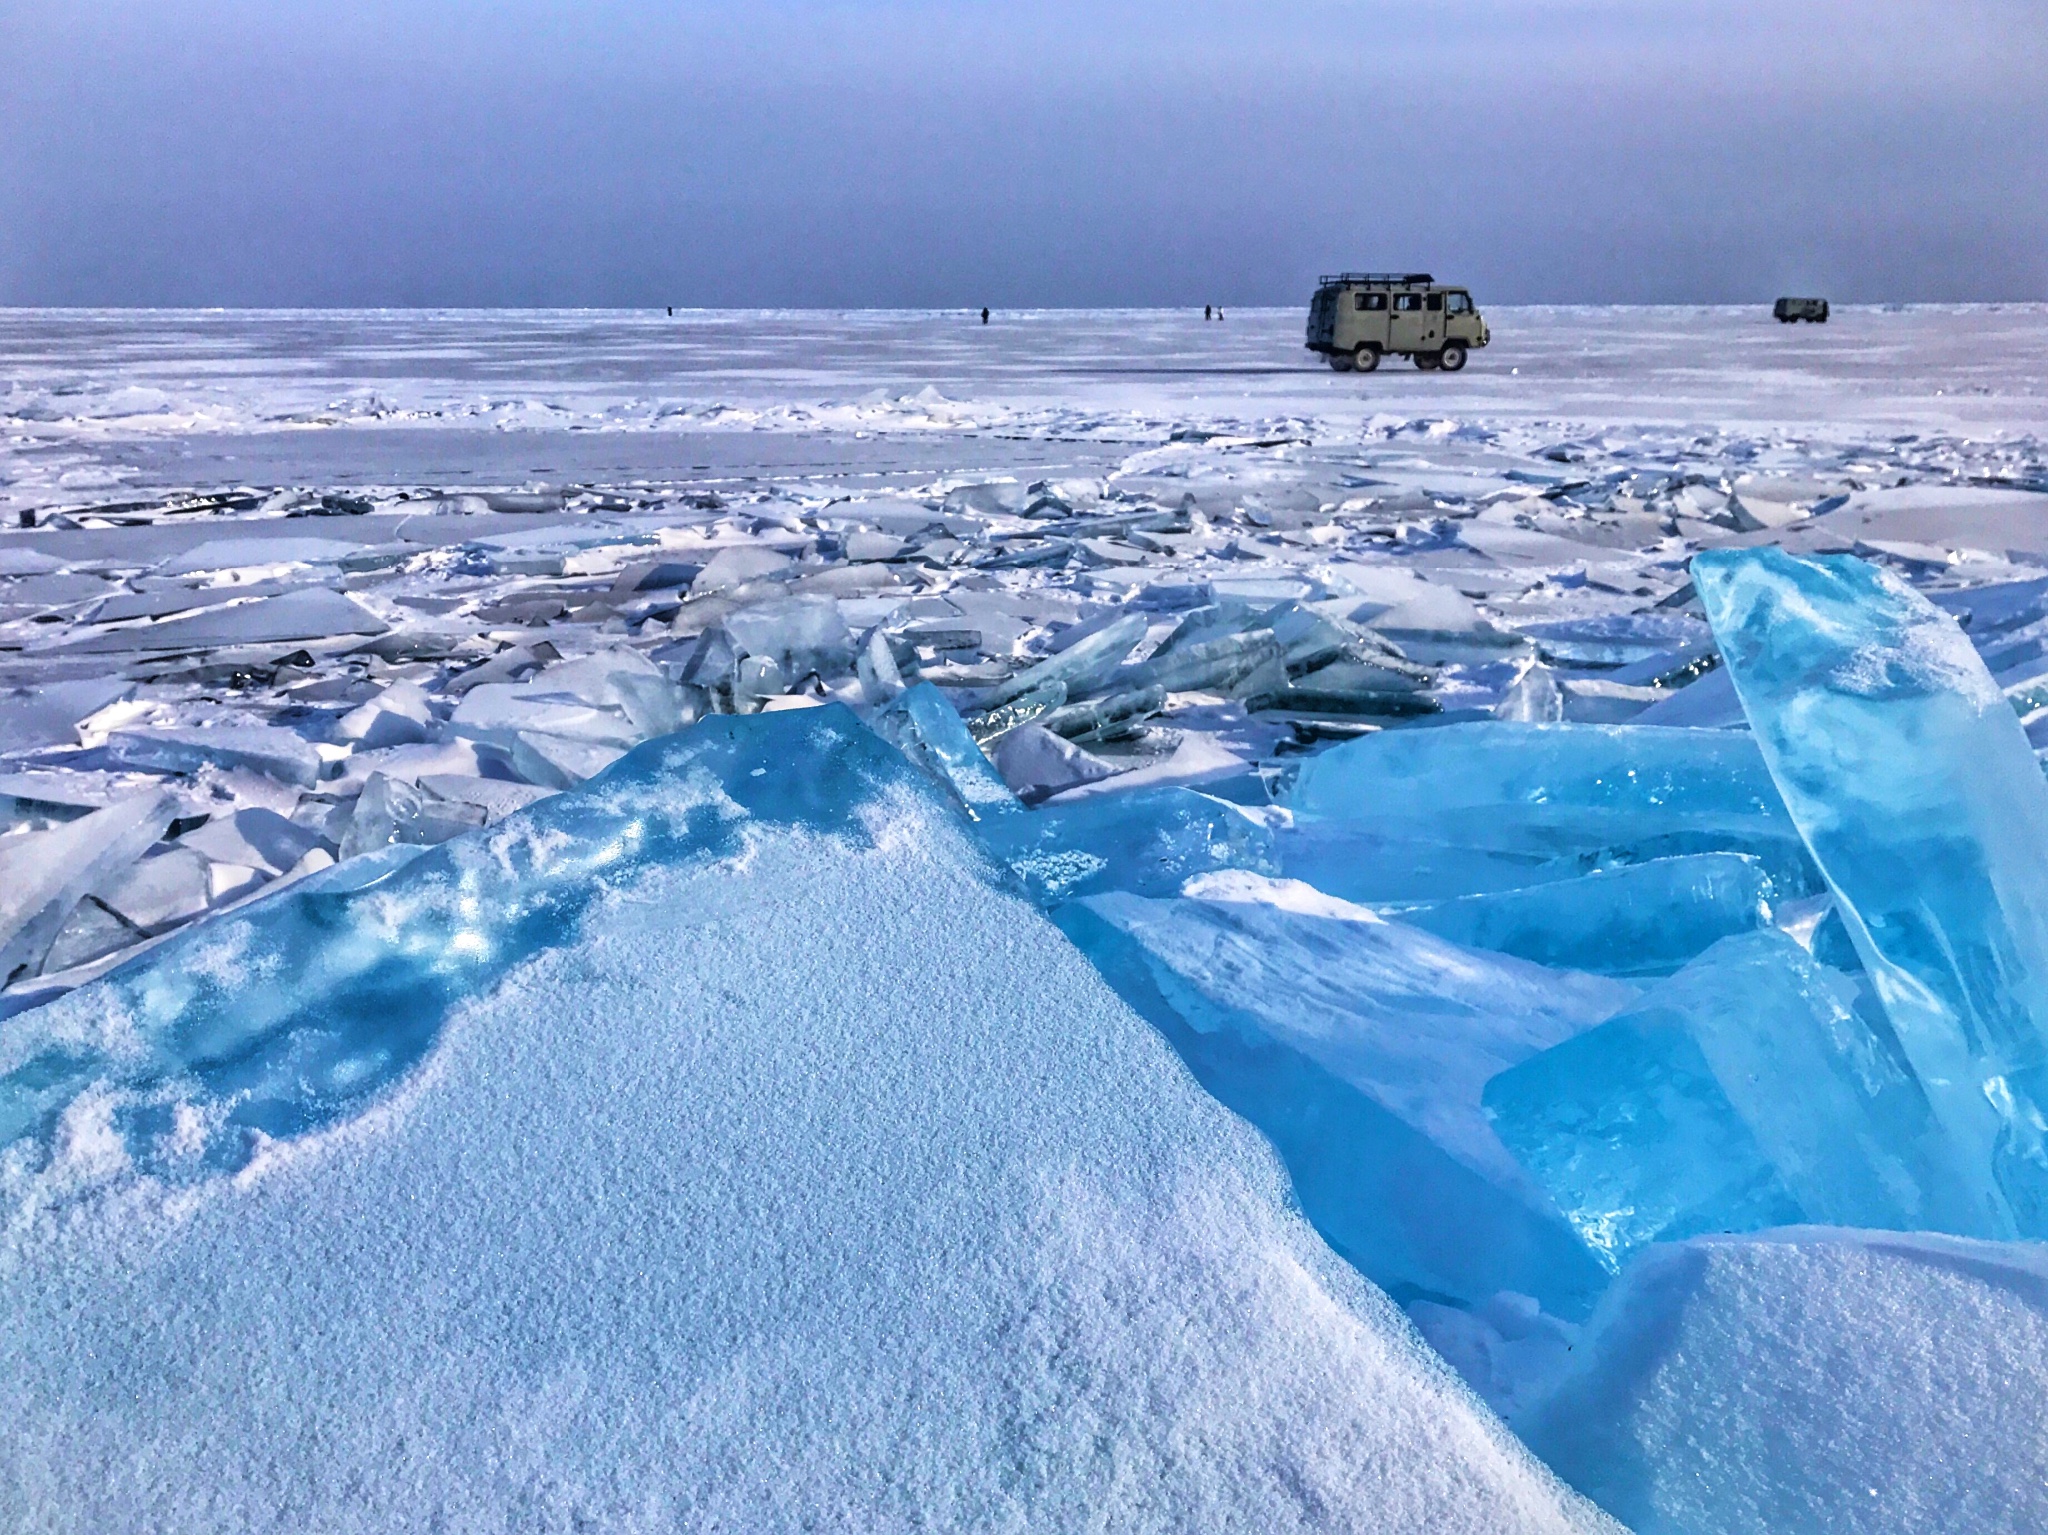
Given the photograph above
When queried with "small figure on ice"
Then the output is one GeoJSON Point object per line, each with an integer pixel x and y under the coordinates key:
{"type": "Point", "coordinates": [984, 314]}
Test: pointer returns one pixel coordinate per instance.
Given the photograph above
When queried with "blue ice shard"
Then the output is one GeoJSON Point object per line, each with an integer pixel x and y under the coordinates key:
{"type": "Point", "coordinates": [1747, 1091]}
{"type": "Point", "coordinates": [1561, 790]}
{"type": "Point", "coordinates": [1638, 919]}
{"type": "Point", "coordinates": [929, 731]}
{"type": "Point", "coordinates": [1360, 1046]}
{"type": "Point", "coordinates": [1912, 782]}
{"type": "Point", "coordinates": [1150, 841]}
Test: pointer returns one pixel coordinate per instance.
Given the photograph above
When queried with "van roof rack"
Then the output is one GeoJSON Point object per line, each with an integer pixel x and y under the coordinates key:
{"type": "Point", "coordinates": [1339, 278]}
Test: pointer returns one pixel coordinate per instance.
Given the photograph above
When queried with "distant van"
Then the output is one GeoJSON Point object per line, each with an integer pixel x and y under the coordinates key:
{"type": "Point", "coordinates": [1814, 310]}
{"type": "Point", "coordinates": [1356, 318]}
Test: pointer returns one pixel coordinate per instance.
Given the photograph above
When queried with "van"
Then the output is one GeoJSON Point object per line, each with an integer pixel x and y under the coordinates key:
{"type": "Point", "coordinates": [1356, 318]}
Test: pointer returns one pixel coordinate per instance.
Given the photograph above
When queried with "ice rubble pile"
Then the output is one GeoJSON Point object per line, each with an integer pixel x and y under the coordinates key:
{"type": "Point", "coordinates": [793, 1175]}
{"type": "Point", "coordinates": [1522, 1006]}
{"type": "Point", "coordinates": [311, 674]}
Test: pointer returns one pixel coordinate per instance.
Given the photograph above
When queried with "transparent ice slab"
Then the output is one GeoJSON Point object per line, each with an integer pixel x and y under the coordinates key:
{"type": "Point", "coordinates": [1640, 919]}
{"type": "Point", "coordinates": [1083, 665]}
{"type": "Point", "coordinates": [1561, 790]}
{"type": "Point", "coordinates": [929, 731]}
{"type": "Point", "coordinates": [1149, 841]}
{"type": "Point", "coordinates": [267, 749]}
{"type": "Point", "coordinates": [1360, 1047]}
{"type": "Point", "coordinates": [1915, 787]}
{"type": "Point", "coordinates": [43, 874]}
{"type": "Point", "coordinates": [1747, 1091]}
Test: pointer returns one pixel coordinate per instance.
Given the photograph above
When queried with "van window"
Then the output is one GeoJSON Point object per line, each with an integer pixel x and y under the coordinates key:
{"type": "Point", "coordinates": [1458, 303]}
{"type": "Point", "coordinates": [1435, 301]}
{"type": "Point", "coordinates": [1373, 301]}
{"type": "Point", "coordinates": [1406, 302]}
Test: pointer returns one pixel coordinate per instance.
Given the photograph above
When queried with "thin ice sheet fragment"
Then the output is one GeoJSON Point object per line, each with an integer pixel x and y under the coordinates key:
{"type": "Point", "coordinates": [1914, 785]}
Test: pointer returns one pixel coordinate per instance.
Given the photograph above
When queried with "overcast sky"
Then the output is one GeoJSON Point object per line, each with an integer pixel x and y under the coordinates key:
{"type": "Point", "coordinates": [1058, 153]}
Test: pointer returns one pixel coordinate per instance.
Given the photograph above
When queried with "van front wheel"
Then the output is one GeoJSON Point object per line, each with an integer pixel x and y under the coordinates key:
{"type": "Point", "coordinates": [1340, 361]}
{"type": "Point", "coordinates": [1366, 358]}
{"type": "Point", "coordinates": [1451, 358]}
{"type": "Point", "coordinates": [1427, 360]}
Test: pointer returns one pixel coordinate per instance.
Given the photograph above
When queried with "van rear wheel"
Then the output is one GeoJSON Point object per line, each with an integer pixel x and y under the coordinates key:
{"type": "Point", "coordinates": [1366, 358]}
{"type": "Point", "coordinates": [1340, 361]}
{"type": "Point", "coordinates": [1451, 358]}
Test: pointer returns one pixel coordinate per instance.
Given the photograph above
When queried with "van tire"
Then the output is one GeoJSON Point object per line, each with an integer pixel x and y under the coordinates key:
{"type": "Point", "coordinates": [1427, 361]}
{"type": "Point", "coordinates": [1451, 358]}
{"type": "Point", "coordinates": [1366, 358]}
{"type": "Point", "coordinates": [1340, 362]}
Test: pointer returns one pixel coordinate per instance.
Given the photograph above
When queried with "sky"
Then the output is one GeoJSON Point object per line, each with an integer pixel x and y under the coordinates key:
{"type": "Point", "coordinates": [1042, 153]}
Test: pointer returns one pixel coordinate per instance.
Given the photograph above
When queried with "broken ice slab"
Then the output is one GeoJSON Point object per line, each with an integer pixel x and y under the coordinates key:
{"type": "Point", "coordinates": [158, 892]}
{"type": "Point", "coordinates": [928, 730]}
{"type": "Point", "coordinates": [802, 635]}
{"type": "Point", "coordinates": [255, 838]}
{"type": "Point", "coordinates": [1913, 783]}
{"type": "Point", "coordinates": [500, 711]}
{"type": "Point", "coordinates": [1149, 841]}
{"type": "Point", "coordinates": [397, 716]}
{"type": "Point", "coordinates": [1708, 704]}
{"type": "Point", "coordinates": [267, 749]}
{"type": "Point", "coordinates": [496, 798]}
{"type": "Point", "coordinates": [1360, 1047]}
{"type": "Point", "coordinates": [1347, 688]}
{"type": "Point", "coordinates": [1040, 704]}
{"type": "Point", "coordinates": [1082, 666]}
{"type": "Point", "coordinates": [1641, 919]}
{"type": "Point", "coordinates": [1747, 1091]}
{"type": "Point", "coordinates": [558, 762]}
{"type": "Point", "coordinates": [1103, 719]}
{"type": "Point", "coordinates": [624, 680]}
{"type": "Point", "coordinates": [92, 931]}
{"type": "Point", "coordinates": [1206, 666]}
{"type": "Point", "coordinates": [1037, 764]}
{"type": "Point", "coordinates": [1401, 865]}
{"type": "Point", "coordinates": [1614, 639]}
{"type": "Point", "coordinates": [391, 810]}
{"type": "Point", "coordinates": [48, 714]}
{"type": "Point", "coordinates": [1532, 698]}
{"type": "Point", "coordinates": [1562, 790]}
{"type": "Point", "coordinates": [43, 874]}
{"type": "Point", "coordinates": [310, 613]}
{"type": "Point", "coordinates": [737, 564]}
{"type": "Point", "coordinates": [255, 554]}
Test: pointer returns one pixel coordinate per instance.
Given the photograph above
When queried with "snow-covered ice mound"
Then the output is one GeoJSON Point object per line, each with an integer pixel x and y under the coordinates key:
{"type": "Point", "coordinates": [781, 1168]}
{"type": "Point", "coordinates": [1816, 1380]}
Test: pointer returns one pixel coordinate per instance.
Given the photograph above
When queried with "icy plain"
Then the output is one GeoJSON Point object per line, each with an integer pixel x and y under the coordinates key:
{"type": "Point", "coordinates": [526, 997]}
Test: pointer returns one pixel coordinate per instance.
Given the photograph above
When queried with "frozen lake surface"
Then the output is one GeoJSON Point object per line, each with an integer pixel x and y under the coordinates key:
{"type": "Point", "coordinates": [382, 693]}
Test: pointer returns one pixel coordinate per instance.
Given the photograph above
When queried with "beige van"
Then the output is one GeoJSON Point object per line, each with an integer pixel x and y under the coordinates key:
{"type": "Point", "coordinates": [1356, 318]}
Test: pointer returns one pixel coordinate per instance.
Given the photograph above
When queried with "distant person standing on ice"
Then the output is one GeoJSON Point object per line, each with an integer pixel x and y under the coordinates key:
{"type": "Point", "coordinates": [984, 314]}
{"type": "Point", "coordinates": [1205, 311]}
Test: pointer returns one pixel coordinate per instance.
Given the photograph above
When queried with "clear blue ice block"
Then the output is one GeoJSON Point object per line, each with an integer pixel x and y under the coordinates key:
{"type": "Point", "coordinates": [1747, 1091]}
{"type": "Point", "coordinates": [1147, 840]}
{"type": "Point", "coordinates": [1360, 1047]}
{"type": "Point", "coordinates": [1914, 786]}
{"type": "Point", "coordinates": [1639, 919]}
{"type": "Point", "coordinates": [1561, 790]}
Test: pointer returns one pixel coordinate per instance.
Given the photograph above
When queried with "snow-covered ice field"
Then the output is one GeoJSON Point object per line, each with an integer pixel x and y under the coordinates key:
{"type": "Point", "coordinates": [678, 921]}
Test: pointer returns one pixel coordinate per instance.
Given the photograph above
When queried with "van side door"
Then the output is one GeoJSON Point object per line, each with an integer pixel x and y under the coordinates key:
{"type": "Point", "coordinates": [1368, 317]}
{"type": "Point", "coordinates": [1414, 326]}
